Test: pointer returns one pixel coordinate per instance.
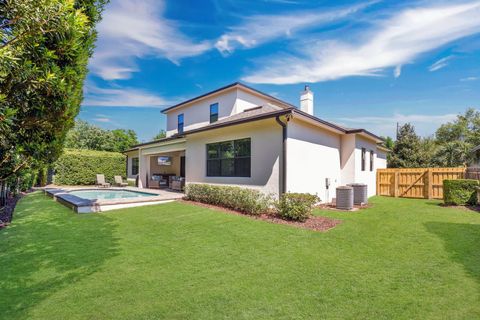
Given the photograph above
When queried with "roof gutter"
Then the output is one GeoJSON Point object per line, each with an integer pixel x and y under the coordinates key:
{"type": "Point", "coordinates": [283, 169]}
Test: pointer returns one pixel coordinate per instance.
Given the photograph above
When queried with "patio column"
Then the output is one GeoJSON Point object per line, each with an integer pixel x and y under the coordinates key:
{"type": "Point", "coordinates": [144, 170]}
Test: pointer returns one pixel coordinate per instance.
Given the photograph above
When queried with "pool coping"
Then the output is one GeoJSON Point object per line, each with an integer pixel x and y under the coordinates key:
{"type": "Point", "coordinates": [81, 205]}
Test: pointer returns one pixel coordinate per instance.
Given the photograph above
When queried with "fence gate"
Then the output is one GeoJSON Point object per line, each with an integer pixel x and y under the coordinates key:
{"type": "Point", "coordinates": [426, 183]}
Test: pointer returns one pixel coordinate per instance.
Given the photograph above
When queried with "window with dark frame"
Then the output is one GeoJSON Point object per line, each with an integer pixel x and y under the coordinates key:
{"type": "Point", "coordinates": [371, 160]}
{"type": "Point", "coordinates": [134, 166]}
{"type": "Point", "coordinates": [213, 112]}
{"type": "Point", "coordinates": [180, 123]}
{"type": "Point", "coordinates": [229, 158]}
{"type": "Point", "coordinates": [364, 151]}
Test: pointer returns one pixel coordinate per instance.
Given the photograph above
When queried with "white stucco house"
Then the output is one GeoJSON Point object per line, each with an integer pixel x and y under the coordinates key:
{"type": "Point", "coordinates": [237, 135]}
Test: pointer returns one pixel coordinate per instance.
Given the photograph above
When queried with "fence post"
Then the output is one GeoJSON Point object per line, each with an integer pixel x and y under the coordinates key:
{"type": "Point", "coordinates": [430, 184]}
{"type": "Point", "coordinates": [378, 182]}
{"type": "Point", "coordinates": [396, 184]}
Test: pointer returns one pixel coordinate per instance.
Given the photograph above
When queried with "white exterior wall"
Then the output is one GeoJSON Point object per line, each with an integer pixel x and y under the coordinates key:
{"type": "Point", "coordinates": [347, 158]}
{"type": "Point", "coordinates": [368, 177]}
{"type": "Point", "coordinates": [266, 151]}
{"type": "Point", "coordinates": [381, 159]}
{"type": "Point", "coordinates": [313, 154]}
{"type": "Point", "coordinates": [197, 114]}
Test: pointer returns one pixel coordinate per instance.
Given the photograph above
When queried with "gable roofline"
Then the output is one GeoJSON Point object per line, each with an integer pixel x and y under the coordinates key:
{"type": "Point", "coordinates": [227, 87]}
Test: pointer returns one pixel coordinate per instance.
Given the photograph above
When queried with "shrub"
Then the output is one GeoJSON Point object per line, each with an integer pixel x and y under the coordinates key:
{"type": "Point", "coordinates": [242, 199]}
{"type": "Point", "coordinates": [80, 166]}
{"type": "Point", "coordinates": [296, 206]}
{"type": "Point", "coordinates": [460, 192]}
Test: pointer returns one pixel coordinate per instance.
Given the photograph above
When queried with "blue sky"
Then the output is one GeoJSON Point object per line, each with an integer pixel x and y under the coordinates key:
{"type": "Point", "coordinates": [370, 63]}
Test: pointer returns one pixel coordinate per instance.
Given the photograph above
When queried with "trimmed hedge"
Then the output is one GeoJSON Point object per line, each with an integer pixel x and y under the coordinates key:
{"type": "Point", "coordinates": [460, 192]}
{"type": "Point", "coordinates": [80, 166]}
{"type": "Point", "coordinates": [242, 199]}
{"type": "Point", "coordinates": [296, 206]}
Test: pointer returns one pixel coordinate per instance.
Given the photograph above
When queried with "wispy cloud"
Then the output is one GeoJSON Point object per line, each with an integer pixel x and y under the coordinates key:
{"type": "Point", "coordinates": [439, 64]}
{"type": "Point", "coordinates": [425, 124]}
{"type": "Point", "coordinates": [397, 71]}
{"type": "Point", "coordinates": [105, 120]}
{"type": "Point", "coordinates": [395, 41]}
{"type": "Point", "coordinates": [135, 29]}
{"type": "Point", "coordinates": [259, 29]}
{"type": "Point", "coordinates": [121, 97]}
{"type": "Point", "coordinates": [470, 79]}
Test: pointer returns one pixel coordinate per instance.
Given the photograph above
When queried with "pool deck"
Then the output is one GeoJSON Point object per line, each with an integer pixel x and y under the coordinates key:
{"type": "Point", "coordinates": [81, 205]}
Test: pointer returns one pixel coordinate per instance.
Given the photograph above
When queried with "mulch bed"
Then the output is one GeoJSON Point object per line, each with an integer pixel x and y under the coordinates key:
{"type": "Point", "coordinates": [331, 206]}
{"type": "Point", "coordinates": [6, 213]}
{"type": "Point", "coordinates": [314, 223]}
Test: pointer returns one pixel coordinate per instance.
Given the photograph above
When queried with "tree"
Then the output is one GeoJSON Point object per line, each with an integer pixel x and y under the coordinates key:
{"type": "Point", "coordinates": [87, 136]}
{"type": "Point", "coordinates": [407, 152]}
{"type": "Point", "coordinates": [456, 139]}
{"type": "Point", "coordinates": [123, 139]}
{"type": "Point", "coordinates": [452, 154]}
{"type": "Point", "coordinates": [44, 50]}
{"type": "Point", "coordinates": [162, 134]}
{"type": "Point", "coordinates": [388, 142]}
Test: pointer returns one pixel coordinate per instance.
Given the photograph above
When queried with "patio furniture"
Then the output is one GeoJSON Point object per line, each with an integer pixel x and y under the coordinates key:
{"type": "Point", "coordinates": [101, 181]}
{"type": "Point", "coordinates": [119, 181]}
{"type": "Point", "coordinates": [160, 180]}
{"type": "Point", "coordinates": [177, 183]}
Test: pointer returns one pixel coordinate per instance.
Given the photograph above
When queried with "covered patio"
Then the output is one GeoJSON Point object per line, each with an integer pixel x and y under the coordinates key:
{"type": "Point", "coordinates": [158, 166]}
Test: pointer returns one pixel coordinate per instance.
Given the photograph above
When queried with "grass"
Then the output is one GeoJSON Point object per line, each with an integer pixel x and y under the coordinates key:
{"type": "Point", "coordinates": [400, 259]}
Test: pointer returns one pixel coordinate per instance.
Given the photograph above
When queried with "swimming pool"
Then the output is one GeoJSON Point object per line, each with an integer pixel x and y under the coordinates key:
{"type": "Point", "coordinates": [110, 194]}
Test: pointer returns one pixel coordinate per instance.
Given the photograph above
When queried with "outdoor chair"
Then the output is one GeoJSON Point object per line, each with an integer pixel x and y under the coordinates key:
{"type": "Point", "coordinates": [119, 182]}
{"type": "Point", "coordinates": [101, 181]}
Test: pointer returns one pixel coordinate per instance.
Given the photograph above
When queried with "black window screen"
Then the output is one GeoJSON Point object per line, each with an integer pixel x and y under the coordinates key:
{"type": "Point", "coordinates": [229, 158]}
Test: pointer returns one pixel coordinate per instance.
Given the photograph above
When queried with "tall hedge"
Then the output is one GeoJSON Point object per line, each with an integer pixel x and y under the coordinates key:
{"type": "Point", "coordinates": [80, 166]}
{"type": "Point", "coordinates": [460, 192]}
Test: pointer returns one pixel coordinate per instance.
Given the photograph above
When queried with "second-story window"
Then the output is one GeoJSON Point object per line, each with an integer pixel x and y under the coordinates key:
{"type": "Point", "coordinates": [180, 123]}
{"type": "Point", "coordinates": [213, 112]}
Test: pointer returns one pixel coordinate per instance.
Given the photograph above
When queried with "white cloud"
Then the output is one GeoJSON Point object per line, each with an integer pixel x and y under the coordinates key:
{"type": "Point", "coordinates": [135, 29]}
{"type": "Point", "coordinates": [102, 120]}
{"type": "Point", "coordinates": [395, 41]}
{"type": "Point", "coordinates": [121, 97]}
{"type": "Point", "coordinates": [439, 64]}
{"type": "Point", "coordinates": [397, 71]}
{"type": "Point", "coordinates": [425, 124]}
{"type": "Point", "coordinates": [260, 29]}
{"type": "Point", "coordinates": [470, 79]}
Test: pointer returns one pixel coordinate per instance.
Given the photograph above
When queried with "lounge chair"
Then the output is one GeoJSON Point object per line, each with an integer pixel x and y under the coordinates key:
{"type": "Point", "coordinates": [119, 182]}
{"type": "Point", "coordinates": [101, 181]}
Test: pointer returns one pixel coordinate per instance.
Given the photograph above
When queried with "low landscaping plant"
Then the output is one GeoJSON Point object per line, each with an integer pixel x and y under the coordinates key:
{"type": "Point", "coordinates": [80, 166]}
{"type": "Point", "coordinates": [296, 206]}
{"type": "Point", "coordinates": [242, 199]}
{"type": "Point", "coordinates": [460, 192]}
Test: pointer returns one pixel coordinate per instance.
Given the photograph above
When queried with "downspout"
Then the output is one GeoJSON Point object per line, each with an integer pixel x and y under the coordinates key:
{"type": "Point", "coordinates": [283, 169]}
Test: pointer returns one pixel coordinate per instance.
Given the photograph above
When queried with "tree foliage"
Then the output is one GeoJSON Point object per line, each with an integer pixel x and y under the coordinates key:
{"type": "Point", "coordinates": [407, 152]}
{"type": "Point", "coordinates": [451, 146]}
{"type": "Point", "coordinates": [44, 50]}
{"type": "Point", "coordinates": [457, 138]}
{"type": "Point", "coordinates": [162, 134]}
{"type": "Point", "coordinates": [86, 136]}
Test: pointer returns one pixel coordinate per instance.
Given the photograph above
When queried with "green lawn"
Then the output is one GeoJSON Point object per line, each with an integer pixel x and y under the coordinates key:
{"type": "Point", "coordinates": [401, 259]}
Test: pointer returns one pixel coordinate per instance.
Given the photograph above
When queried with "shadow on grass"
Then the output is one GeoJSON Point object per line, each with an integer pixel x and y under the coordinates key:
{"type": "Point", "coordinates": [47, 248]}
{"type": "Point", "coordinates": [462, 242]}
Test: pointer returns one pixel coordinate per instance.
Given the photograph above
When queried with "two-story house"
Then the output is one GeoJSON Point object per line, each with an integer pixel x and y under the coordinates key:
{"type": "Point", "coordinates": [237, 135]}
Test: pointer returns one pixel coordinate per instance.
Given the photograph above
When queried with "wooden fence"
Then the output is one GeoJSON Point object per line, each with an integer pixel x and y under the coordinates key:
{"type": "Point", "coordinates": [426, 183]}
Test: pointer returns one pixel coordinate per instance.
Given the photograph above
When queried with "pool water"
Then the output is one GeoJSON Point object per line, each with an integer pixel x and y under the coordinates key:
{"type": "Point", "coordinates": [110, 194]}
